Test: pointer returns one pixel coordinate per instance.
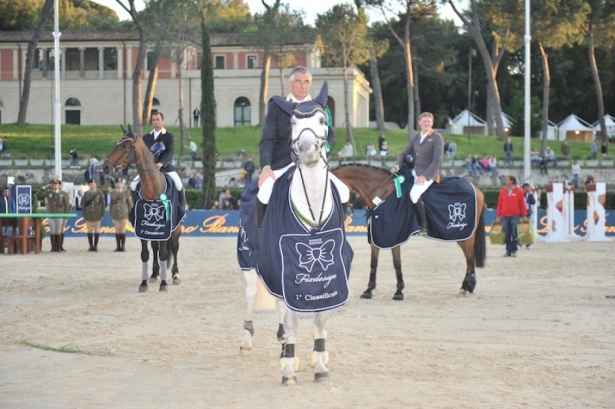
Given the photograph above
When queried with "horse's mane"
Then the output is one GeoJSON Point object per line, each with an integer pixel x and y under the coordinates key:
{"type": "Point", "coordinates": [363, 165]}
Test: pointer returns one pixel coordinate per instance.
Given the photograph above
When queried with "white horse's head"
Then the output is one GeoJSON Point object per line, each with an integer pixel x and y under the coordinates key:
{"type": "Point", "coordinates": [309, 132]}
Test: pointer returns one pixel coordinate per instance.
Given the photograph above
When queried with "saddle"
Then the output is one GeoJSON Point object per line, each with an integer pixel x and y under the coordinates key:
{"type": "Point", "coordinates": [450, 207]}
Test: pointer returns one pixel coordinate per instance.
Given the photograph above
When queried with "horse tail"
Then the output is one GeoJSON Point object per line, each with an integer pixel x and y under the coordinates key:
{"type": "Point", "coordinates": [480, 241]}
{"type": "Point", "coordinates": [263, 300]}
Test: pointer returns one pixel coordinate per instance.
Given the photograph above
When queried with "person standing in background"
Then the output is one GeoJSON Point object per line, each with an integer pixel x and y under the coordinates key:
{"type": "Point", "coordinates": [79, 200]}
{"type": "Point", "coordinates": [195, 115]}
{"type": "Point", "coordinates": [192, 146]}
{"type": "Point", "coordinates": [93, 213]}
{"type": "Point", "coordinates": [121, 203]}
{"type": "Point", "coordinates": [65, 220]}
{"type": "Point", "coordinates": [508, 151]}
{"type": "Point", "coordinates": [7, 205]}
{"type": "Point", "coordinates": [511, 205]}
{"type": "Point", "coordinates": [55, 202]}
{"type": "Point", "coordinates": [530, 201]}
{"type": "Point", "coordinates": [2, 147]}
{"type": "Point", "coordinates": [249, 168]}
{"type": "Point", "coordinates": [576, 173]}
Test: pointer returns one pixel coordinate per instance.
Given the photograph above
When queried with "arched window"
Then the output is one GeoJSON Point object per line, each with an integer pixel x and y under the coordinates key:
{"type": "Point", "coordinates": [72, 102]}
{"type": "Point", "coordinates": [73, 111]}
{"type": "Point", "coordinates": [243, 112]}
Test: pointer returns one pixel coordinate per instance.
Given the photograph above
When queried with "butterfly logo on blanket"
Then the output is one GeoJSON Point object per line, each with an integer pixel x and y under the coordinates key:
{"type": "Point", "coordinates": [457, 213]}
{"type": "Point", "coordinates": [244, 240]}
{"type": "Point", "coordinates": [23, 200]}
{"type": "Point", "coordinates": [310, 255]}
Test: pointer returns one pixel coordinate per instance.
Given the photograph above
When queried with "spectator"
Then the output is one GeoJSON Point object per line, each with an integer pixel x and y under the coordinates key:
{"type": "Point", "coordinates": [593, 149]}
{"type": "Point", "coordinates": [79, 200]}
{"type": "Point", "coordinates": [370, 152]}
{"type": "Point", "coordinates": [508, 151]}
{"type": "Point", "coordinates": [565, 149]}
{"type": "Point", "coordinates": [576, 172]}
{"type": "Point", "coordinates": [93, 164]}
{"type": "Point", "coordinates": [75, 157]}
{"type": "Point", "coordinates": [511, 205]}
{"type": "Point", "coordinates": [550, 156]}
{"type": "Point", "coordinates": [198, 181]}
{"type": "Point", "coordinates": [192, 146]}
{"type": "Point", "coordinates": [196, 115]}
{"type": "Point", "coordinates": [381, 142]}
{"type": "Point", "coordinates": [469, 165]}
{"type": "Point", "coordinates": [492, 163]}
{"type": "Point", "coordinates": [452, 150]}
{"type": "Point", "coordinates": [191, 184]}
{"type": "Point", "coordinates": [2, 147]}
{"type": "Point", "coordinates": [345, 152]}
{"type": "Point", "coordinates": [590, 180]}
{"type": "Point", "coordinates": [101, 176]}
{"type": "Point", "coordinates": [543, 166]}
{"type": "Point", "coordinates": [484, 163]}
{"type": "Point", "coordinates": [534, 157]}
{"type": "Point", "coordinates": [604, 148]}
{"type": "Point", "coordinates": [478, 169]}
{"type": "Point", "coordinates": [446, 142]}
{"type": "Point", "coordinates": [249, 168]}
{"type": "Point", "coordinates": [225, 200]}
{"type": "Point", "coordinates": [7, 205]}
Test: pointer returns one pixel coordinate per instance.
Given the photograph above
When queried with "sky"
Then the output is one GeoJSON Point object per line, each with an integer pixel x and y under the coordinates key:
{"type": "Point", "coordinates": [311, 8]}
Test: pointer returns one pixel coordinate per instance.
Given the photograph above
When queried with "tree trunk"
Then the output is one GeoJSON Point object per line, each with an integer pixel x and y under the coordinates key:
{"type": "Point", "coordinates": [151, 88]}
{"type": "Point", "coordinates": [417, 98]}
{"type": "Point", "coordinates": [410, 79]}
{"type": "Point", "coordinates": [282, 81]}
{"type": "Point", "coordinates": [379, 106]}
{"type": "Point", "coordinates": [136, 85]}
{"type": "Point", "coordinates": [545, 98]}
{"type": "Point", "coordinates": [598, 86]}
{"type": "Point", "coordinates": [262, 97]}
{"type": "Point", "coordinates": [208, 121]}
{"type": "Point", "coordinates": [25, 95]}
{"type": "Point", "coordinates": [182, 125]}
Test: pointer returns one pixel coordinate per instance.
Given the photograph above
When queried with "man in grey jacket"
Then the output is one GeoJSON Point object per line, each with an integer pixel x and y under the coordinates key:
{"type": "Point", "coordinates": [427, 148]}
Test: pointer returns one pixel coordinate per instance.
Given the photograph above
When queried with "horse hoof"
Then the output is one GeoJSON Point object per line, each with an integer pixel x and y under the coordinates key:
{"type": "Point", "coordinates": [321, 377]}
{"type": "Point", "coordinates": [143, 289]}
{"type": "Point", "coordinates": [153, 279]}
{"type": "Point", "coordinates": [164, 288]}
{"type": "Point", "coordinates": [176, 281]}
{"type": "Point", "coordinates": [398, 297]}
{"type": "Point", "coordinates": [289, 380]}
{"type": "Point", "coordinates": [245, 351]}
{"type": "Point", "coordinates": [366, 296]}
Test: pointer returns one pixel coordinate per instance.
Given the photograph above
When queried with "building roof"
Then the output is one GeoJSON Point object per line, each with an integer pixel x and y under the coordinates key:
{"type": "Point", "coordinates": [466, 118]}
{"type": "Point", "coordinates": [224, 39]}
{"type": "Point", "coordinates": [609, 121]}
{"type": "Point", "coordinates": [574, 123]}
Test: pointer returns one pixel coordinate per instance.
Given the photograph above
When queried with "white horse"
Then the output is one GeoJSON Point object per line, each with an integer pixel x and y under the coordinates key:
{"type": "Point", "coordinates": [302, 253]}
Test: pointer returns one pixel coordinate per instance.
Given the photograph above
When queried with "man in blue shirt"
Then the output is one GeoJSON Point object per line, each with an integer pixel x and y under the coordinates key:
{"type": "Point", "coordinates": [7, 205]}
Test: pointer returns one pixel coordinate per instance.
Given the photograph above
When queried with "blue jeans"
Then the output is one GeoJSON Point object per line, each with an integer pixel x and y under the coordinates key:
{"type": "Point", "coordinates": [510, 230]}
{"type": "Point", "coordinates": [507, 158]}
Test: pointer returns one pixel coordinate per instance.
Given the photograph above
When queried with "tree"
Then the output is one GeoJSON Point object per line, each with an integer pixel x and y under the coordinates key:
{"type": "Point", "coordinates": [474, 28]}
{"type": "Point", "coordinates": [19, 15]}
{"type": "Point", "coordinates": [208, 115]}
{"type": "Point", "coordinates": [598, 28]}
{"type": "Point", "coordinates": [554, 24]}
{"type": "Point", "coordinates": [25, 95]}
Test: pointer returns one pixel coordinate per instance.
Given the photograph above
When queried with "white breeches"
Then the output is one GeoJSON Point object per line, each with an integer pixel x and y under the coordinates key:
{"type": "Point", "coordinates": [176, 179]}
{"type": "Point", "coordinates": [418, 190]}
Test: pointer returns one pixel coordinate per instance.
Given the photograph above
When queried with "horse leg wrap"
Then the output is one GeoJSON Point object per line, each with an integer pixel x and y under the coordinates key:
{"type": "Point", "coordinates": [247, 325]}
{"type": "Point", "coordinates": [319, 345]}
{"type": "Point", "coordinates": [163, 271]}
{"type": "Point", "coordinates": [289, 351]}
{"type": "Point", "coordinates": [144, 270]}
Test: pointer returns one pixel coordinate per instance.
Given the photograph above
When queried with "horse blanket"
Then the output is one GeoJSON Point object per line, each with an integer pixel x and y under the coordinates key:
{"type": "Point", "coordinates": [450, 207]}
{"type": "Point", "coordinates": [308, 269]}
{"type": "Point", "coordinates": [155, 220]}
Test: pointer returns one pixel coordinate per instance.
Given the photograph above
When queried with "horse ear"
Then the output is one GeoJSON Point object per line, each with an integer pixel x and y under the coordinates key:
{"type": "Point", "coordinates": [123, 130]}
{"type": "Point", "coordinates": [129, 130]}
{"type": "Point", "coordinates": [322, 96]}
{"type": "Point", "coordinates": [287, 106]}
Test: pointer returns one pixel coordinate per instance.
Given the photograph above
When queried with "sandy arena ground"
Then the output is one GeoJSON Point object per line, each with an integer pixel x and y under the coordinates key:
{"type": "Point", "coordinates": [538, 332]}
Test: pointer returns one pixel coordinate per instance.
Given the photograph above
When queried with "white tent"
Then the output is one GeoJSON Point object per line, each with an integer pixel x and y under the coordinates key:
{"type": "Point", "coordinates": [507, 121]}
{"type": "Point", "coordinates": [466, 121]}
{"type": "Point", "coordinates": [551, 131]}
{"type": "Point", "coordinates": [610, 126]}
{"type": "Point", "coordinates": [575, 129]}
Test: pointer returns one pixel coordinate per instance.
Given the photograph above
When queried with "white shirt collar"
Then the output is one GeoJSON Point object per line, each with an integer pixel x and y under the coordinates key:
{"type": "Point", "coordinates": [291, 97]}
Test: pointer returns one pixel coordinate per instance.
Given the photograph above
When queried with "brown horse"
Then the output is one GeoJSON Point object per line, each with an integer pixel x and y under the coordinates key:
{"type": "Point", "coordinates": [131, 149]}
{"type": "Point", "coordinates": [370, 182]}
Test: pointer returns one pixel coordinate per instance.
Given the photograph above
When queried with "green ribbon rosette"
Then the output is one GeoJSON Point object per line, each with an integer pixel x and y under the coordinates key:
{"type": "Point", "coordinates": [167, 206]}
{"type": "Point", "coordinates": [398, 181]}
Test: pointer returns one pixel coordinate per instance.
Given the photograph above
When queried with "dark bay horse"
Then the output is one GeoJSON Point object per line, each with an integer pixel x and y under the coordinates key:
{"type": "Point", "coordinates": [370, 182]}
{"type": "Point", "coordinates": [131, 149]}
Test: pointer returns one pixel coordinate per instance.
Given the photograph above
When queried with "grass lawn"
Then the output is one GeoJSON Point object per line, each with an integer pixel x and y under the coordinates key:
{"type": "Point", "coordinates": [37, 141]}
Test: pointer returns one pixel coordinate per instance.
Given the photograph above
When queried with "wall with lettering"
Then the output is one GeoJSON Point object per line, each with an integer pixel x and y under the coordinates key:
{"type": "Point", "coordinates": [220, 223]}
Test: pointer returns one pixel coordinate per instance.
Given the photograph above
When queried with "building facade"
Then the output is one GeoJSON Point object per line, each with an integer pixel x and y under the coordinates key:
{"type": "Point", "coordinates": [96, 79]}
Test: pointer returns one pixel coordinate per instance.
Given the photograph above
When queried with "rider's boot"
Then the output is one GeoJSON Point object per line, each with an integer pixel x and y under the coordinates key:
{"type": "Point", "coordinates": [122, 241]}
{"type": "Point", "coordinates": [118, 246]}
{"type": "Point", "coordinates": [91, 242]}
{"type": "Point", "coordinates": [61, 240]}
{"type": "Point", "coordinates": [420, 211]}
{"type": "Point", "coordinates": [96, 236]}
